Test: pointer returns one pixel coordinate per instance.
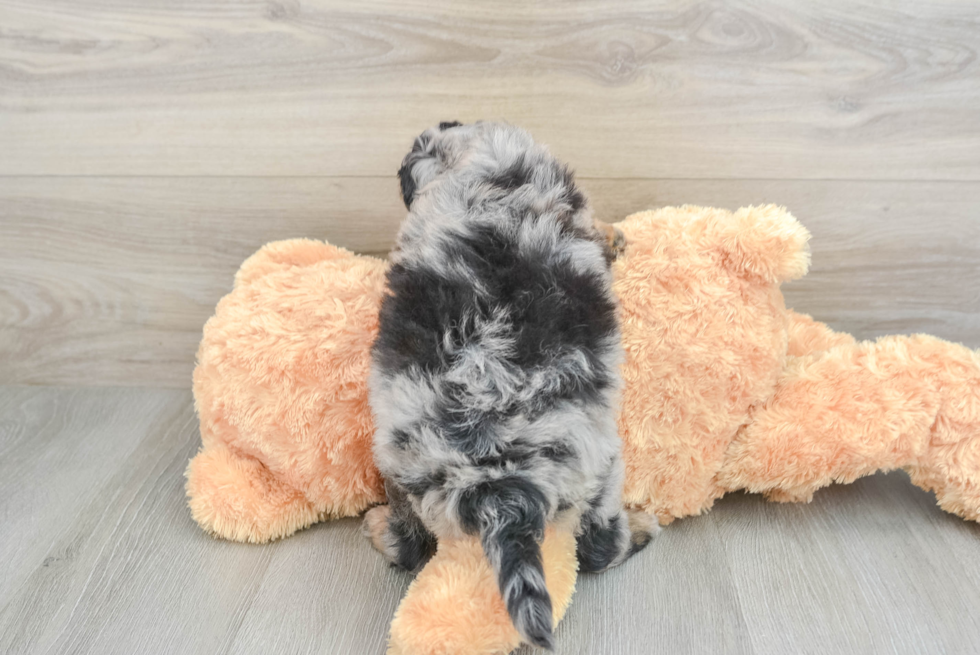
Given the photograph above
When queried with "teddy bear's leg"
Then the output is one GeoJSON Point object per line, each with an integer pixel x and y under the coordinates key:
{"type": "Point", "coordinates": [454, 606]}
{"type": "Point", "coordinates": [954, 475]}
{"type": "Point", "coordinates": [236, 497]}
{"type": "Point", "coordinates": [398, 532]}
{"type": "Point", "coordinates": [838, 415]}
{"type": "Point", "coordinates": [951, 465]}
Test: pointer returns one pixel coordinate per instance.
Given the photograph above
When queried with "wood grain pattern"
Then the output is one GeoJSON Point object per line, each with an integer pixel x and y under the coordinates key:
{"type": "Point", "coordinates": [107, 559]}
{"type": "Point", "coordinates": [875, 578]}
{"type": "Point", "coordinates": [108, 281]}
{"type": "Point", "coordinates": [872, 567]}
{"type": "Point", "coordinates": [100, 555]}
{"type": "Point", "coordinates": [779, 89]}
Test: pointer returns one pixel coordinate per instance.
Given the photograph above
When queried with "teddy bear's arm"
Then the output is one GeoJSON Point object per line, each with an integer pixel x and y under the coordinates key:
{"type": "Point", "coordinates": [454, 606]}
{"type": "Point", "coordinates": [839, 414]}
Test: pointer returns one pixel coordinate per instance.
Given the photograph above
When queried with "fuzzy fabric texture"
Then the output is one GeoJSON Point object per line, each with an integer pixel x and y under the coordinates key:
{"type": "Point", "coordinates": [455, 607]}
{"type": "Point", "coordinates": [725, 389]}
{"type": "Point", "coordinates": [281, 390]}
{"type": "Point", "coordinates": [704, 329]}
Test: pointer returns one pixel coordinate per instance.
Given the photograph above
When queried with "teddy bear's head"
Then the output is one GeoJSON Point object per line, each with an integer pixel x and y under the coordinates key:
{"type": "Point", "coordinates": [705, 334]}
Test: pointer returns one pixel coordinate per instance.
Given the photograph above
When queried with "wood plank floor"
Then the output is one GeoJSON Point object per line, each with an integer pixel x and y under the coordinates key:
{"type": "Point", "coordinates": [678, 89]}
{"type": "Point", "coordinates": [99, 555]}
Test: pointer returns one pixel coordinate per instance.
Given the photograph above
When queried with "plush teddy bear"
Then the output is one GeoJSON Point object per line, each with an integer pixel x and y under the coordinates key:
{"type": "Point", "coordinates": [725, 389]}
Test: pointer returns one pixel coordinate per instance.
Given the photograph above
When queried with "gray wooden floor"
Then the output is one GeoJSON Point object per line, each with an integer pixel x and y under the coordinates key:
{"type": "Point", "coordinates": [148, 146]}
{"type": "Point", "coordinates": [99, 555]}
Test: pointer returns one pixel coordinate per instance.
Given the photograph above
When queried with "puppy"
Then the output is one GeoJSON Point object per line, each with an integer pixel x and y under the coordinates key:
{"type": "Point", "coordinates": [495, 373]}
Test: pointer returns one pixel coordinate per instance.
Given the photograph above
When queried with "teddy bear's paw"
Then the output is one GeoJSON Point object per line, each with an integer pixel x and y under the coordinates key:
{"type": "Point", "coordinates": [236, 497]}
{"type": "Point", "coordinates": [799, 495]}
{"type": "Point", "coordinates": [643, 528]}
{"type": "Point", "coordinates": [375, 528]}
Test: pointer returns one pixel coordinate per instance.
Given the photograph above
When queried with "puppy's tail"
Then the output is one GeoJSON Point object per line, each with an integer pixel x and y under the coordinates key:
{"type": "Point", "coordinates": [509, 515]}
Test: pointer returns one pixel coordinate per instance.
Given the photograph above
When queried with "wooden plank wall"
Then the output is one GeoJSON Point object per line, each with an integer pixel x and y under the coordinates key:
{"type": "Point", "coordinates": [148, 146]}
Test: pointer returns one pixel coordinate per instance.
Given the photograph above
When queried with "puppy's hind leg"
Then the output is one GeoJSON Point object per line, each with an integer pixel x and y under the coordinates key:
{"type": "Point", "coordinates": [610, 534]}
{"type": "Point", "coordinates": [397, 531]}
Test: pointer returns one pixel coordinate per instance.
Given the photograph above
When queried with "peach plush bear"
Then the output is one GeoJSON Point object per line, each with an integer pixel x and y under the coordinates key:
{"type": "Point", "coordinates": [725, 389]}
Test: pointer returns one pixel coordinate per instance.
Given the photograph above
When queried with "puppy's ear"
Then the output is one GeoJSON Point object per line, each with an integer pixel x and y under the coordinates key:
{"type": "Point", "coordinates": [408, 183]}
{"type": "Point", "coordinates": [445, 125]}
{"type": "Point", "coordinates": [406, 173]}
{"type": "Point", "coordinates": [421, 165]}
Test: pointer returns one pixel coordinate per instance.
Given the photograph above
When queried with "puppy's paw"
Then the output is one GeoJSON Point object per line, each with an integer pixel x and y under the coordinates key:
{"type": "Point", "coordinates": [375, 528]}
{"type": "Point", "coordinates": [643, 527]}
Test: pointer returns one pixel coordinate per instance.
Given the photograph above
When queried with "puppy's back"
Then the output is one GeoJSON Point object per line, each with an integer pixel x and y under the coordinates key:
{"type": "Point", "coordinates": [495, 363]}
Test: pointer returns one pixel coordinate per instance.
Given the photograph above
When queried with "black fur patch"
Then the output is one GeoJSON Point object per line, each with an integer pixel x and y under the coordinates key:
{"type": "Point", "coordinates": [558, 452]}
{"type": "Point", "coordinates": [510, 460]}
{"type": "Point", "coordinates": [400, 438]}
{"type": "Point", "coordinates": [515, 500]}
{"type": "Point", "coordinates": [405, 176]}
{"type": "Point", "coordinates": [418, 487]}
{"type": "Point", "coordinates": [514, 176]}
{"type": "Point", "coordinates": [407, 184]}
{"type": "Point", "coordinates": [415, 545]}
{"type": "Point", "coordinates": [413, 316]}
{"type": "Point", "coordinates": [575, 197]}
{"type": "Point", "coordinates": [445, 125]}
{"type": "Point", "coordinates": [553, 308]}
{"type": "Point", "coordinates": [597, 546]}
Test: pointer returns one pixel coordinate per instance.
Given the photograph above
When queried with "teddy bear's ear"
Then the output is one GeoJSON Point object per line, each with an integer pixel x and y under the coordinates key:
{"type": "Point", "coordinates": [766, 242]}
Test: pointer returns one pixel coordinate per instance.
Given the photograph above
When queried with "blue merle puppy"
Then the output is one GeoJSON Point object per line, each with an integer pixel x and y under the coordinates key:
{"type": "Point", "coordinates": [495, 373]}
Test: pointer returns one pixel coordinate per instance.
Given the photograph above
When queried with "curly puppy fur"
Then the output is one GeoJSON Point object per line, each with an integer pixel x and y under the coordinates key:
{"type": "Point", "coordinates": [495, 374]}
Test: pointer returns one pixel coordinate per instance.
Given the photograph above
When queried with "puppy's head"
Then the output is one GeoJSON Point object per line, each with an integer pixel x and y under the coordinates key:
{"type": "Point", "coordinates": [434, 152]}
